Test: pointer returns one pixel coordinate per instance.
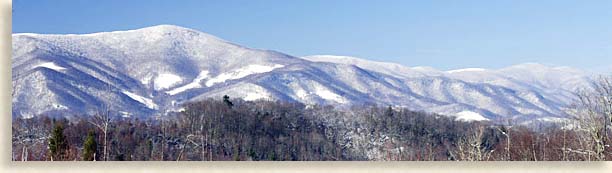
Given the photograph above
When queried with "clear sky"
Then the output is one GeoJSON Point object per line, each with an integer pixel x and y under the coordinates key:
{"type": "Point", "coordinates": [444, 34]}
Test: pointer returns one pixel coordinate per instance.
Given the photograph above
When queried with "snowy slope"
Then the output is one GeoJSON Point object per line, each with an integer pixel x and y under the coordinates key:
{"type": "Point", "coordinates": [147, 71]}
{"type": "Point", "coordinates": [393, 69]}
{"type": "Point", "coordinates": [547, 87]}
{"type": "Point", "coordinates": [557, 84]}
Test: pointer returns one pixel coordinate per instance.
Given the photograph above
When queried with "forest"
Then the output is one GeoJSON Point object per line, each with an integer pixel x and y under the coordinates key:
{"type": "Point", "coordinates": [237, 130]}
{"type": "Point", "coordinates": [227, 129]}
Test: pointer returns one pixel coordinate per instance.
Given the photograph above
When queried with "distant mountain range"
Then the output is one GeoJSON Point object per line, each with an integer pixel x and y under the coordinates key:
{"type": "Point", "coordinates": [148, 71]}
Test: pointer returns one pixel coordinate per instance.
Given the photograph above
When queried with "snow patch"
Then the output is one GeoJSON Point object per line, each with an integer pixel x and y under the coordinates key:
{"type": "Point", "coordinates": [553, 119]}
{"type": "Point", "coordinates": [316, 90]}
{"type": "Point", "coordinates": [146, 80]}
{"type": "Point", "coordinates": [255, 96]}
{"type": "Point", "coordinates": [302, 94]}
{"type": "Point", "coordinates": [27, 115]}
{"type": "Point", "coordinates": [146, 101]}
{"type": "Point", "coordinates": [241, 72]}
{"type": "Point", "coordinates": [470, 116]}
{"type": "Point", "coordinates": [60, 107]}
{"type": "Point", "coordinates": [125, 114]}
{"type": "Point", "coordinates": [246, 91]}
{"type": "Point", "coordinates": [50, 65]}
{"type": "Point", "coordinates": [165, 81]}
{"type": "Point", "coordinates": [194, 84]}
{"type": "Point", "coordinates": [328, 95]}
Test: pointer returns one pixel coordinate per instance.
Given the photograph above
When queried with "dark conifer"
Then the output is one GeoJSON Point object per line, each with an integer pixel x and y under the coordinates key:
{"type": "Point", "coordinates": [89, 147]}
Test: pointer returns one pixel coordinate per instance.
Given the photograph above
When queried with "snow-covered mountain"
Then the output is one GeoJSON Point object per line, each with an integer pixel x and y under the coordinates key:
{"type": "Point", "coordinates": [137, 71]}
{"type": "Point", "coordinates": [152, 70]}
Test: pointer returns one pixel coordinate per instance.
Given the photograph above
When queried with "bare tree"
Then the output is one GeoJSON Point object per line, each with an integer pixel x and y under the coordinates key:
{"type": "Point", "coordinates": [102, 122]}
{"type": "Point", "coordinates": [505, 130]}
{"type": "Point", "coordinates": [594, 113]}
{"type": "Point", "coordinates": [469, 147]}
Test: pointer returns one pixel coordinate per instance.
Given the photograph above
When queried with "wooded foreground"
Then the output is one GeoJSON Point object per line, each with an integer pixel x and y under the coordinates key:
{"type": "Point", "coordinates": [214, 130]}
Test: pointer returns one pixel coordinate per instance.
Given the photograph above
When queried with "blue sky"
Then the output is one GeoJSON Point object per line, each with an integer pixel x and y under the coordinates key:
{"type": "Point", "coordinates": [443, 34]}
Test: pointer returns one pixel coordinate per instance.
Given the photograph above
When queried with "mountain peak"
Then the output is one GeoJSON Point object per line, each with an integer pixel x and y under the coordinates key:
{"type": "Point", "coordinates": [167, 28]}
{"type": "Point", "coordinates": [163, 29]}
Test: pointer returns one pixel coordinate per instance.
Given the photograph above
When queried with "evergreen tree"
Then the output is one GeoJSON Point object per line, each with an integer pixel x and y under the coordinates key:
{"type": "Point", "coordinates": [227, 101]}
{"type": "Point", "coordinates": [389, 111]}
{"type": "Point", "coordinates": [89, 147]}
{"type": "Point", "coordinates": [58, 144]}
{"type": "Point", "coordinates": [252, 154]}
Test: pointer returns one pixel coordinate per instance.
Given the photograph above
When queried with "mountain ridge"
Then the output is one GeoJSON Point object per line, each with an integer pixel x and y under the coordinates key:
{"type": "Point", "coordinates": [146, 71]}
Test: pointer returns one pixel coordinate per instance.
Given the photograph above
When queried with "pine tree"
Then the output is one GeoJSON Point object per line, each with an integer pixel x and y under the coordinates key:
{"type": "Point", "coordinates": [58, 144]}
{"type": "Point", "coordinates": [252, 154]}
{"type": "Point", "coordinates": [89, 147]}
{"type": "Point", "coordinates": [272, 156]}
{"type": "Point", "coordinates": [227, 101]}
{"type": "Point", "coordinates": [389, 111]}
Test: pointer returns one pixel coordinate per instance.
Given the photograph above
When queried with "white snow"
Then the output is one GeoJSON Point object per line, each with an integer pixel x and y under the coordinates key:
{"type": "Point", "coordinates": [306, 92]}
{"type": "Point", "coordinates": [470, 116]}
{"type": "Point", "coordinates": [167, 80]}
{"type": "Point", "coordinates": [244, 90]}
{"type": "Point", "coordinates": [27, 115]}
{"type": "Point", "coordinates": [146, 101]}
{"type": "Point", "coordinates": [553, 119]}
{"type": "Point", "coordinates": [328, 95]}
{"type": "Point", "coordinates": [241, 72]}
{"type": "Point", "coordinates": [50, 65]}
{"type": "Point", "coordinates": [125, 114]}
{"type": "Point", "coordinates": [146, 80]}
{"type": "Point", "coordinates": [60, 107]}
{"type": "Point", "coordinates": [254, 96]}
{"type": "Point", "coordinates": [389, 68]}
{"type": "Point", "coordinates": [194, 84]}
{"type": "Point", "coordinates": [466, 70]}
{"type": "Point", "coordinates": [301, 93]}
